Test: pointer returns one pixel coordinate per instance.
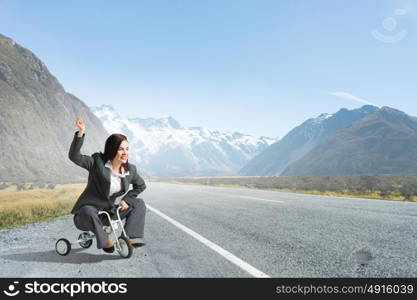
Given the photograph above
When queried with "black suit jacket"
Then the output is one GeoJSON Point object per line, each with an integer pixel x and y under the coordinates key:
{"type": "Point", "coordinates": [98, 186]}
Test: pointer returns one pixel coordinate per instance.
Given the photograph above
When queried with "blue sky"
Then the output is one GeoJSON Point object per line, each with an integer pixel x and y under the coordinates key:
{"type": "Point", "coordinates": [258, 67]}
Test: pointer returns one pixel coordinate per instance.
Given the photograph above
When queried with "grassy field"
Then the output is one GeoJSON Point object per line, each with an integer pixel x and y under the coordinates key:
{"type": "Point", "coordinates": [38, 204]}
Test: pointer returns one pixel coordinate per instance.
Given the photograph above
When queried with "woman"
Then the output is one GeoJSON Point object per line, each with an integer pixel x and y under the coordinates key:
{"type": "Point", "coordinates": [110, 175]}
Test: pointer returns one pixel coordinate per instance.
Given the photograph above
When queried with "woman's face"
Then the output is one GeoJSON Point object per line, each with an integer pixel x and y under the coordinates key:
{"type": "Point", "coordinates": [122, 152]}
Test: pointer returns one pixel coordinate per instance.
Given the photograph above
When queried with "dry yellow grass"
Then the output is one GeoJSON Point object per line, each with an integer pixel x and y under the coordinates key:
{"type": "Point", "coordinates": [28, 206]}
{"type": "Point", "coordinates": [344, 193]}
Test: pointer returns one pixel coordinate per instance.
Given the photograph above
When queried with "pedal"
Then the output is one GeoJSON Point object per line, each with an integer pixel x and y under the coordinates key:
{"type": "Point", "coordinates": [107, 229]}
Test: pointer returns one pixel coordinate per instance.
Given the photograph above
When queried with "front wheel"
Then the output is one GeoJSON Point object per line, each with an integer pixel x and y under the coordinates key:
{"type": "Point", "coordinates": [63, 247]}
{"type": "Point", "coordinates": [125, 248]}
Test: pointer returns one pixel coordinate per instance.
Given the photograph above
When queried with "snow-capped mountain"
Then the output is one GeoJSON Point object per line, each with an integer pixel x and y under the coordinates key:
{"type": "Point", "coordinates": [164, 148]}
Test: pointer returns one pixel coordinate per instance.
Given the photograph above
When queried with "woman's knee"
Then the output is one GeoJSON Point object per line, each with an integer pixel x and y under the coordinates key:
{"type": "Point", "coordinates": [87, 211]}
{"type": "Point", "coordinates": [138, 202]}
{"type": "Point", "coordinates": [139, 206]}
{"type": "Point", "coordinates": [83, 219]}
{"type": "Point", "coordinates": [141, 202]}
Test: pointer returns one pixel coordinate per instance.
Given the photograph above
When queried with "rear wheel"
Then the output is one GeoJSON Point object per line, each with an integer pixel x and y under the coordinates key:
{"type": "Point", "coordinates": [87, 240]}
{"type": "Point", "coordinates": [63, 247]}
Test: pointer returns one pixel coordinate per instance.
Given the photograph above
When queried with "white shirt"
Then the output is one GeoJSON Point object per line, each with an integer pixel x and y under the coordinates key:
{"type": "Point", "coordinates": [115, 180]}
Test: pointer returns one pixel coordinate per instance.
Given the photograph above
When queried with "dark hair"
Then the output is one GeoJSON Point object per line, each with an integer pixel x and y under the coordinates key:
{"type": "Point", "coordinates": [112, 146]}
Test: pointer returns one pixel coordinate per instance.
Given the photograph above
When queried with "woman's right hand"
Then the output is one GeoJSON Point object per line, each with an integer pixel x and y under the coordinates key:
{"type": "Point", "coordinates": [80, 124]}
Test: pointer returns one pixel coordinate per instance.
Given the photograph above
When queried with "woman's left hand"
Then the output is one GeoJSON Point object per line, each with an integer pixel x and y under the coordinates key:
{"type": "Point", "coordinates": [123, 205]}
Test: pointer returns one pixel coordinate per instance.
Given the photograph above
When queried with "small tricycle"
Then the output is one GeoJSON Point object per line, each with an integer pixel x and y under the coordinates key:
{"type": "Point", "coordinates": [85, 239]}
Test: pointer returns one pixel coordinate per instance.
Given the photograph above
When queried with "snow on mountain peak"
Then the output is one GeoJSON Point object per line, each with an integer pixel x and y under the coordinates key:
{"type": "Point", "coordinates": [104, 107]}
{"type": "Point", "coordinates": [322, 117]}
{"type": "Point", "coordinates": [162, 147]}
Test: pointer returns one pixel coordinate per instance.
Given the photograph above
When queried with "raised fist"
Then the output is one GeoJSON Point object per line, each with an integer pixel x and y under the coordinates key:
{"type": "Point", "coordinates": [80, 124]}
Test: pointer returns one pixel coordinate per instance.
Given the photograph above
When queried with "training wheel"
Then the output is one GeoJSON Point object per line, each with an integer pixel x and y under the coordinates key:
{"type": "Point", "coordinates": [126, 249]}
{"type": "Point", "coordinates": [63, 247]}
{"type": "Point", "coordinates": [87, 240]}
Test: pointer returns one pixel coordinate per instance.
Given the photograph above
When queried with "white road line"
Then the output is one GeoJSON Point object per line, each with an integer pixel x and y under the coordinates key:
{"type": "Point", "coordinates": [260, 199]}
{"type": "Point", "coordinates": [226, 254]}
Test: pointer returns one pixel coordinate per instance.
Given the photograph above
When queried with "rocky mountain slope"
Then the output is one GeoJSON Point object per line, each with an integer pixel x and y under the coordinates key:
{"type": "Point", "coordinates": [384, 142]}
{"type": "Point", "coordinates": [301, 140]}
{"type": "Point", "coordinates": [37, 121]}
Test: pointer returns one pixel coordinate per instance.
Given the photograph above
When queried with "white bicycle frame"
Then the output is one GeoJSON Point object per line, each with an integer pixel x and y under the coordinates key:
{"type": "Point", "coordinates": [114, 224]}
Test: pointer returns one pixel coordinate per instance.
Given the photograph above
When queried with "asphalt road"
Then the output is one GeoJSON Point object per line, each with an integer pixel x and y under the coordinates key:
{"type": "Point", "coordinates": [202, 231]}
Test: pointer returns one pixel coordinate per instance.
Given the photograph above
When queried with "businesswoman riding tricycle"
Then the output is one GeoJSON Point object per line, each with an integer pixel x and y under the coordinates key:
{"type": "Point", "coordinates": [104, 203]}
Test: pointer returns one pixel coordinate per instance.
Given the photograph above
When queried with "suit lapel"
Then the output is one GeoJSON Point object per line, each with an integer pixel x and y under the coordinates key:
{"type": "Point", "coordinates": [106, 175]}
{"type": "Point", "coordinates": [125, 184]}
{"type": "Point", "coordinates": [124, 187]}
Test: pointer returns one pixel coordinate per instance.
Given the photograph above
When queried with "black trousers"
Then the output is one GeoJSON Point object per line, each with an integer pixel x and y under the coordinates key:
{"type": "Point", "coordinates": [88, 219]}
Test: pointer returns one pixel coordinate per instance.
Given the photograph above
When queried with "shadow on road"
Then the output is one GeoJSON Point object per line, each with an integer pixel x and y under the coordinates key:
{"type": "Point", "coordinates": [74, 257]}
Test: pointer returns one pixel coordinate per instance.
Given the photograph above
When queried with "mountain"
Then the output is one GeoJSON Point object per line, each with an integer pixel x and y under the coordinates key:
{"type": "Point", "coordinates": [164, 148]}
{"type": "Point", "coordinates": [383, 142]}
{"type": "Point", "coordinates": [301, 140]}
{"type": "Point", "coordinates": [37, 121]}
